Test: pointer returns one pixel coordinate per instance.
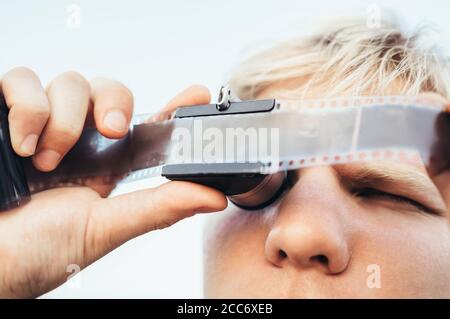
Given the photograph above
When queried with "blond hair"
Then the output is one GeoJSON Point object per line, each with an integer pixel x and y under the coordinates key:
{"type": "Point", "coordinates": [348, 59]}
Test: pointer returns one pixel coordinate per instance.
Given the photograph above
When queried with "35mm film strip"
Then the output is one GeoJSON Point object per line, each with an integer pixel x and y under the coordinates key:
{"type": "Point", "coordinates": [312, 132]}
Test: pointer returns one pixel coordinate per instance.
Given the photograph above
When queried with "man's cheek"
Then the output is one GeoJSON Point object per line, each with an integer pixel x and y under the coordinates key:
{"type": "Point", "coordinates": [408, 248]}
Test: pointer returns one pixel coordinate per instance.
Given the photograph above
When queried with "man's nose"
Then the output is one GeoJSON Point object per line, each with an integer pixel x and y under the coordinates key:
{"type": "Point", "coordinates": [309, 229]}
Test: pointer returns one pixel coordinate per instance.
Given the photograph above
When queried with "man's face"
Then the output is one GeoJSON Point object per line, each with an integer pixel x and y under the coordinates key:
{"type": "Point", "coordinates": [374, 229]}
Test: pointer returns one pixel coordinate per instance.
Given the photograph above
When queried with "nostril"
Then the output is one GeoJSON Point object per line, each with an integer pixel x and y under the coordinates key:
{"type": "Point", "coordinates": [321, 259]}
{"type": "Point", "coordinates": [282, 254]}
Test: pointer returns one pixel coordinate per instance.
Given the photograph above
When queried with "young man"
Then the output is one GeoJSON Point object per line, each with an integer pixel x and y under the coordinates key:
{"type": "Point", "coordinates": [332, 229]}
{"type": "Point", "coordinates": [375, 229]}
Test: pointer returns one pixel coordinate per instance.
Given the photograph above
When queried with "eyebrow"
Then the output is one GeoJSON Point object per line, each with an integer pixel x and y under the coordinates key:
{"type": "Point", "coordinates": [399, 179]}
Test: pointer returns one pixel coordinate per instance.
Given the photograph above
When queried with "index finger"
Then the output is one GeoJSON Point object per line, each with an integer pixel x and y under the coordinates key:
{"type": "Point", "coordinates": [29, 108]}
{"type": "Point", "coordinates": [193, 95]}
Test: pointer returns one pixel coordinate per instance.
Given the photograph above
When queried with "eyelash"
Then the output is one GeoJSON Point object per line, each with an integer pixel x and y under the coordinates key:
{"type": "Point", "coordinates": [371, 192]}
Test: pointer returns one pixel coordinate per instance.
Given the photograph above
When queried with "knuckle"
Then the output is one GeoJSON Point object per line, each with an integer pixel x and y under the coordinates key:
{"type": "Point", "coordinates": [19, 71]}
{"type": "Point", "coordinates": [199, 89]}
{"type": "Point", "coordinates": [65, 131]}
{"type": "Point", "coordinates": [127, 92]}
{"type": "Point", "coordinates": [109, 85]}
{"type": "Point", "coordinates": [70, 77]}
{"type": "Point", "coordinates": [38, 108]}
{"type": "Point", "coordinates": [31, 111]}
{"type": "Point", "coordinates": [73, 76]}
{"type": "Point", "coordinates": [126, 96]}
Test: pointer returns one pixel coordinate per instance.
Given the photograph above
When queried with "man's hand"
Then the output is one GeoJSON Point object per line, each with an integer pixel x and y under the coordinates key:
{"type": "Point", "coordinates": [76, 225]}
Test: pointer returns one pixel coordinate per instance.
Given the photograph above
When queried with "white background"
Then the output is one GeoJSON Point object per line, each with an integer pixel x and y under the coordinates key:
{"type": "Point", "coordinates": [157, 48]}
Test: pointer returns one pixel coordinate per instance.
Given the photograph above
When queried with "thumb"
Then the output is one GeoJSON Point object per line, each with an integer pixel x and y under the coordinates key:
{"type": "Point", "coordinates": [116, 220]}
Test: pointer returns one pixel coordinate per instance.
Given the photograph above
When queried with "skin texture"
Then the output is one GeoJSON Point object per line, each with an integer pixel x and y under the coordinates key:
{"type": "Point", "coordinates": [328, 238]}
{"type": "Point", "coordinates": [39, 240]}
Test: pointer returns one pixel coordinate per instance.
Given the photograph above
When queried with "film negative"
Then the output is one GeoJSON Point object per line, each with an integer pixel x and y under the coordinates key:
{"type": "Point", "coordinates": [292, 135]}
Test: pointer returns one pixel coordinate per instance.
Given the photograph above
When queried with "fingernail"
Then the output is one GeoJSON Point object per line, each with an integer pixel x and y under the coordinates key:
{"type": "Point", "coordinates": [116, 121]}
{"type": "Point", "coordinates": [29, 143]}
{"type": "Point", "coordinates": [48, 159]}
